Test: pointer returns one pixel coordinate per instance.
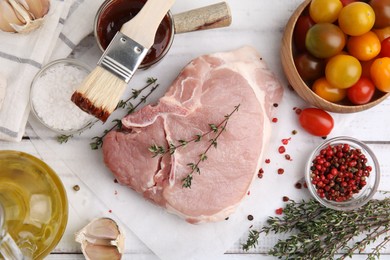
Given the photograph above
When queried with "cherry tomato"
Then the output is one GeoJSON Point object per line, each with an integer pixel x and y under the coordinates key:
{"type": "Point", "coordinates": [385, 48]}
{"type": "Point", "coordinates": [302, 25]}
{"type": "Point", "coordinates": [362, 92]}
{"type": "Point", "coordinates": [325, 90]}
{"type": "Point", "coordinates": [382, 33]}
{"type": "Point", "coordinates": [325, 11]}
{"type": "Point", "coordinates": [309, 67]}
{"type": "Point", "coordinates": [342, 71]}
{"type": "Point", "coordinates": [366, 66]}
{"type": "Point", "coordinates": [380, 73]}
{"type": "Point", "coordinates": [325, 40]}
{"type": "Point", "coordinates": [356, 18]}
{"type": "Point", "coordinates": [316, 121]}
{"type": "Point", "coordinates": [364, 47]}
{"type": "Point", "coordinates": [382, 12]}
{"type": "Point", "coordinates": [347, 2]}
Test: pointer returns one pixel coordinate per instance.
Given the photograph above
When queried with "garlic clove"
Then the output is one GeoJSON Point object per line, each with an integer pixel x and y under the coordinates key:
{"type": "Point", "coordinates": [101, 237]}
{"type": "Point", "coordinates": [97, 252]}
{"type": "Point", "coordinates": [38, 8]}
{"type": "Point", "coordinates": [8, 16]}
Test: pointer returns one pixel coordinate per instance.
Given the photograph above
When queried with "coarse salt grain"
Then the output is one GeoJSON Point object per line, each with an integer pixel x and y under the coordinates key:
{"type": "Point", "coordinates": [51, 97]}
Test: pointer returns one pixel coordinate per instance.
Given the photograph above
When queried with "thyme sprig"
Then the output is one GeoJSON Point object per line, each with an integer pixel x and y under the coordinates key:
{"type": "Point", "coordinates": [194, 166]}
{"type": "Point", "coordinates": [98, 140]}
{"type": "Point", "coordinates": [323, 232]}
{"type": "Point", "coordinates": [64, 138]}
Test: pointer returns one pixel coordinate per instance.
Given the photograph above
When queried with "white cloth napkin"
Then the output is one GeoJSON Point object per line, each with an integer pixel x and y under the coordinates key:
{"type": "Point", "coordinates": [22, 55]}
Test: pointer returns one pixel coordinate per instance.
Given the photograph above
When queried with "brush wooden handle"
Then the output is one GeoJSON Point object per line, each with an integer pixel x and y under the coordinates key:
{"type": "Point", "coordinates": [143, 27]}
{"type": "Point", "coordinates": [204, 18]}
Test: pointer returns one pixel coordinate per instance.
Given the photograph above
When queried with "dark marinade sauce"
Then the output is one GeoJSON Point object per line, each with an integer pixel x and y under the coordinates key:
{"type": "Point", "coordinates": [119, 12]}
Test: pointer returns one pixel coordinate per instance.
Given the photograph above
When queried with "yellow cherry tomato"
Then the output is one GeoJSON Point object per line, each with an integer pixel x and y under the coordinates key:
{"type": "Point", "coordinates": [342, 71]}
{"type": "Point", "coordinates": [380, 73]}
{"type": "Point", "coordinates": [325, 90]}
{"type": "Point", "coordinates": [325, 11]}
{"type": "Point", "coordinates": [356, 18]}
{"type": "Point", "coordinates": [364, 47]}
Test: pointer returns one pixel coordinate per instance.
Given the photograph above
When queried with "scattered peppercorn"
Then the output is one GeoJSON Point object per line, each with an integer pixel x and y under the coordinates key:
{"type": "Point", "coordinates": [227, 218]}
{"type": "Point", "coordinates": [76, 187]}
{"type": "Point", "coordinates": [274, 120]}
{"type": "Point", "coordinates": [286, 140]}
{"type": "Point", "coordinates": [250, 217]}
{"type": "Point", "coordinates": [115, 181]}
{"type": "Point", "coordinates": [298, 185]}
{"type": "Point", "coordinates": [288, 157]}
{"type": "Point", "coordinates": [285, 198]}
{"type": "Point", "coordinates": [109, 211]}
{"type": "Point", "coordinates": [298, 111]}
{"type": "Point", "coordinates": [280, 171]}
{"type": "Point", "coordinates": [260, 174]}
{"type": "Point", "coordinates": [281, 149]}
{"type": "Point", "coordinates": [267, 160]}
{"type": "Point", "coordinates": [279, 211]}
{"type": "Point", "coordinates": [275, 104]}
{"type": "Point", "coordinates": [324, 137]}
{"type": "Point", "coordinates": [294, 132]}
{"type": "Point", "coordinates": [339, 171]}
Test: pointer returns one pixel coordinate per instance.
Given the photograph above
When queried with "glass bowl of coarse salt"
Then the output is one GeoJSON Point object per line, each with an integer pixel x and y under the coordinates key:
{"type": "Point", "coordinates": [50, 96]}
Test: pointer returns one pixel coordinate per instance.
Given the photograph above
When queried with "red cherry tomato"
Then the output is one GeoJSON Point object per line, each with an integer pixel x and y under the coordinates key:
{"type": "Point", "coordinates": [302, 25]}
{"type": "Point", "coordinates": [316, 121]}
{"type": "Point", "coordinates": [385, 48]}
{"type": "Point", "coordinates": [362, 92]}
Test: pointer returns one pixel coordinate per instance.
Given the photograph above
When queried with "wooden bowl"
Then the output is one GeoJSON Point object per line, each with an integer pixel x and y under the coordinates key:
{"type": "Point", "coordinates": [302, 89]}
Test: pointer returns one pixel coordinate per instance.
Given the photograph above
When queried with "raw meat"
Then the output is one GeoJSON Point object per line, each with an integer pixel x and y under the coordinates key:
{"type": "Point", "coordinates": [206, 90]}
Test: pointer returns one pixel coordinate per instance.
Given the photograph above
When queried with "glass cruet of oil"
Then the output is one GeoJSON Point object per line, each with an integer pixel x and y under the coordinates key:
{"type": "Point", "coordinates": [34, 209]}
{"type": "Point", "coordinates": [8, 247]}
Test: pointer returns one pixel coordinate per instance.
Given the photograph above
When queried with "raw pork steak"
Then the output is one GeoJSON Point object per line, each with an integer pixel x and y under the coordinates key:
{"type": "Point", "coordinates": [205, 91]}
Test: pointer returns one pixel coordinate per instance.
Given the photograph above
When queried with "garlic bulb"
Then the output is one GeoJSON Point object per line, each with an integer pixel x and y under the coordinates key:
{"type": "Point", "coordinates": [101, 239]}
{"type": "Point", "coordinates": [22, 15]}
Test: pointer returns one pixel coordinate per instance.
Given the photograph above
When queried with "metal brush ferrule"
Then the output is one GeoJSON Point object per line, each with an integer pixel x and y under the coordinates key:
{"type": "Point", "coordinates": [123, 56]}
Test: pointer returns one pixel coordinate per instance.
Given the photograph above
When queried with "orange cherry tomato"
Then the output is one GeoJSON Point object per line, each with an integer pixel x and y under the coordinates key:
{"type": "Point", "coordinates": [380, 73]}
{"type": "Point", "coordinates": [364, 47]}
{"type": "Point", "coordinates": [325, 90]}
{"type": "Point", "coordinates": [356, 18]}
{"type": "Point", "coordinates": [382, 33]}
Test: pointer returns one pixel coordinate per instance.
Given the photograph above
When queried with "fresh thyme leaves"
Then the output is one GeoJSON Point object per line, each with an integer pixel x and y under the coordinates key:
{"type": "Point", "coordinates": [217, 129]}
{"type": "Point", "coordinates": [98, 140]}
{"type": "Point", "coordinates": [123, 104]}
{"type": "Point", "coordinates": [252, 241]}
{"type": "Point", "coordinates": [323, 232]}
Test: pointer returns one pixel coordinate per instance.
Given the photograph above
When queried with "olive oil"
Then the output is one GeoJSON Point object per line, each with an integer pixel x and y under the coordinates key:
{"type": "Point", "coordinates": [34, 202]}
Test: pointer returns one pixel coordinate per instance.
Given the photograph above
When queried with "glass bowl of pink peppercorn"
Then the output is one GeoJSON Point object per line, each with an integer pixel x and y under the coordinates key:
{"type": "Point", "coordinates": [342, 173]}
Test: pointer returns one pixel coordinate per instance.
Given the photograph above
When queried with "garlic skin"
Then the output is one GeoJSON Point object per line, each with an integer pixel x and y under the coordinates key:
{"type": "Point", "coordinates": [101, 239]}
{"type": "Point", "coordinates": [38, 8]}
{"type": "Point", "coordinates": [22, 16]}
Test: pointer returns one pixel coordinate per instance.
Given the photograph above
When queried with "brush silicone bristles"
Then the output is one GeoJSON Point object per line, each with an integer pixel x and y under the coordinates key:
{"type": "Point", "coordinates": [99, 93]}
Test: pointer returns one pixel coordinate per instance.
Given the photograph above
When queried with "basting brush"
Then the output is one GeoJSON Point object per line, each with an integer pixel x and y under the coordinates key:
{"type": "Point", "coordinates": [102, 89]}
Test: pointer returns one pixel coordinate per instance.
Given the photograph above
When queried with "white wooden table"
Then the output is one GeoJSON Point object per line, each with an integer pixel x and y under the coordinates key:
{"type": "Point", "coordinates": [257, 23]}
